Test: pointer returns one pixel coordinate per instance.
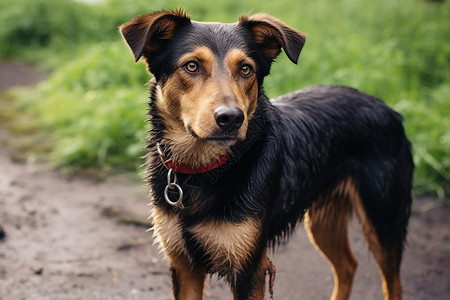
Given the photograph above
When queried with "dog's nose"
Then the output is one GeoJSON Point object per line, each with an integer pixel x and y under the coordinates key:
{"type": "Point", "coordinates": [229, 118]}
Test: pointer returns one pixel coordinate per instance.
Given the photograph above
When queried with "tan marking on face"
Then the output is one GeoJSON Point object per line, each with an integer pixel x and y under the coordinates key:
{"type": "Point", "coordinates": [181, 144]}
{"type": "Point", "coordinates": [229, 244]}
{"type": "Point", "coordinates": [244, 89]}
{"type": "Point", "coordinates": [187, 102]}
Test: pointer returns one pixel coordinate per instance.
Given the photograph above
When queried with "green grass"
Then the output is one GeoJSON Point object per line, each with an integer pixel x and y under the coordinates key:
{"type": "Point", "coordinates": [97, 117]}
{"type": "Point", "coordinates": [93, 104]}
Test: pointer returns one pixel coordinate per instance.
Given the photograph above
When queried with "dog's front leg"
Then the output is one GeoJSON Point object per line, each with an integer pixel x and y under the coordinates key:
{"type": "Point", "coordinates": [187, 281]}
{"type": "Point", "coordinates": [252, 286]}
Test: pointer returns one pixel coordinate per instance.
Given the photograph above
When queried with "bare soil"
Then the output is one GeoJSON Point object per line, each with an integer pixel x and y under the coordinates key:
{"type": "Point", "coordinates": [65, 237]}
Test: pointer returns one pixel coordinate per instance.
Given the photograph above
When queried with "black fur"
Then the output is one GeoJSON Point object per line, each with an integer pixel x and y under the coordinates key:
{"type": "Point", "coordinates": [298, 147]}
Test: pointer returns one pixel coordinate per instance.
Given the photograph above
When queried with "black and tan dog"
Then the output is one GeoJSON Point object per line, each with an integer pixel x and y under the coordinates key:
{"type": "Point", "coordinates": [232, 173]}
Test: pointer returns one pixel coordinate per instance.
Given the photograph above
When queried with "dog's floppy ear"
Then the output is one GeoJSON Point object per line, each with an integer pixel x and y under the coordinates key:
{"type": "Point", "coordinates": [272, 35]}
{"type": "Point", "coordinates": [144, 34]}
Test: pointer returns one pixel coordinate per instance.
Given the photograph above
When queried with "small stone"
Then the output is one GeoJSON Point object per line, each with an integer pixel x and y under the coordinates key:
{"type": "Point", "coordinates": [38, 270]}
{"type": "Point", "coordinates": [2, 234]}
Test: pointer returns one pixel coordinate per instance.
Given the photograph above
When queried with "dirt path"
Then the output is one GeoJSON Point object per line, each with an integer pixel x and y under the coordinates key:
{"type": "Point", "coordinates": [64, 241]}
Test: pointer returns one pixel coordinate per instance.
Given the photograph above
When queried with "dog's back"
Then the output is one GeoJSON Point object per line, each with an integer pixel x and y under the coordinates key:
{"type": "Point", "coordinates": [329, 134]}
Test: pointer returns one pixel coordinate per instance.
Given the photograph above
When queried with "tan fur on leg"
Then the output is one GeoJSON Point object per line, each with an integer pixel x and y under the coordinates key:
{"type": "Point", "coordinates": [326, 226]}
{"type": "Point", "coordinates": [187, 282]}
{"type": "Point", "coordinates": [388, 262]}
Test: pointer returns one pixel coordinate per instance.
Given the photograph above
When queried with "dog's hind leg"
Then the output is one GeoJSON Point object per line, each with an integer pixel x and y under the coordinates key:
{"type": "Point", "coordinates": [388, 260]}
{"type": "Point", "coordinates": [187, 282]}
{"type": "Point", "coordinates": [326, 224]}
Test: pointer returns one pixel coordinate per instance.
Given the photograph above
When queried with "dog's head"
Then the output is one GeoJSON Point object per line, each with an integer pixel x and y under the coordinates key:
{"type": "Point", "coordinates": [209, 75]}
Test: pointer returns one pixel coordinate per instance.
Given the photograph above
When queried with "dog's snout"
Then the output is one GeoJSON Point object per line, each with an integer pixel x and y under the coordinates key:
{"type": "Point", "coordinates": [229, 118]}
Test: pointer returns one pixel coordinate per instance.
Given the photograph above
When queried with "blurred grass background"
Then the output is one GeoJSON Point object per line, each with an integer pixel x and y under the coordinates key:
{"type": "Point", "coordinates": [92, 106]}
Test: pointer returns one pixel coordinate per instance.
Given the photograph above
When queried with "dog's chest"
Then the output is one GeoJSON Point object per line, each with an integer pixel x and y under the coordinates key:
{"type": "Point", "coordinates": [224, 244]}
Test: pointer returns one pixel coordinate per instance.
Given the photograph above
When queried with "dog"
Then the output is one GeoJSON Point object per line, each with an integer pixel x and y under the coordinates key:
{"type": "Point", "coordinates": [233, 173]}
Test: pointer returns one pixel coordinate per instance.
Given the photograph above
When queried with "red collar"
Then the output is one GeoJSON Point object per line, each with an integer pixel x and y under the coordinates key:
{"type": "Point", "coordinates": [185, 169]}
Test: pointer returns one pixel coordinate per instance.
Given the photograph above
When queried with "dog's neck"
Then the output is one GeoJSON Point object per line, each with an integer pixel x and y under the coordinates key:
{"type": "Point", "coordinates": [186, 169]}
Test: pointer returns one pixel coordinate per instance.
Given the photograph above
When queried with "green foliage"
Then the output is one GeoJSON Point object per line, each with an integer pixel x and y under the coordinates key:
{"type": "Point", "coordinates": [427, 121]}
{"type": "Point", "coordinates": [94, 107]}
{"type": "Point", "coordinates": [29, 24]}
{"type": "Point", "coordinates": [36, 29]}
{"type": "Point", "coordinates": [93, 103]}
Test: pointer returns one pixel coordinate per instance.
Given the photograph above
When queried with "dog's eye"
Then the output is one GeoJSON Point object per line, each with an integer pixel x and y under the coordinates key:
{"type": "Point", "coordinates": [191, 66]}
{"type": "Point", "coordinates": [246, 70]}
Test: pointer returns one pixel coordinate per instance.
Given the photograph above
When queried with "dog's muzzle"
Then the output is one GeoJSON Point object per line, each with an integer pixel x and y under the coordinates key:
{"type": "Point", "coordinates": [229, 119]}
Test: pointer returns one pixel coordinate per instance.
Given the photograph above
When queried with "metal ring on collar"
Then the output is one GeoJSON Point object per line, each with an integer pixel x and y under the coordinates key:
{"type": "Point", "coordinates": [169, 175]}
{"type": "Point", "coordinates": [177, 203]}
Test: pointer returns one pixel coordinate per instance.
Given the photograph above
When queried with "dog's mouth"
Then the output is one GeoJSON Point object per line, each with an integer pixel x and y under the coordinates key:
{"type": "Point", "coordinates": [220, 139]}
